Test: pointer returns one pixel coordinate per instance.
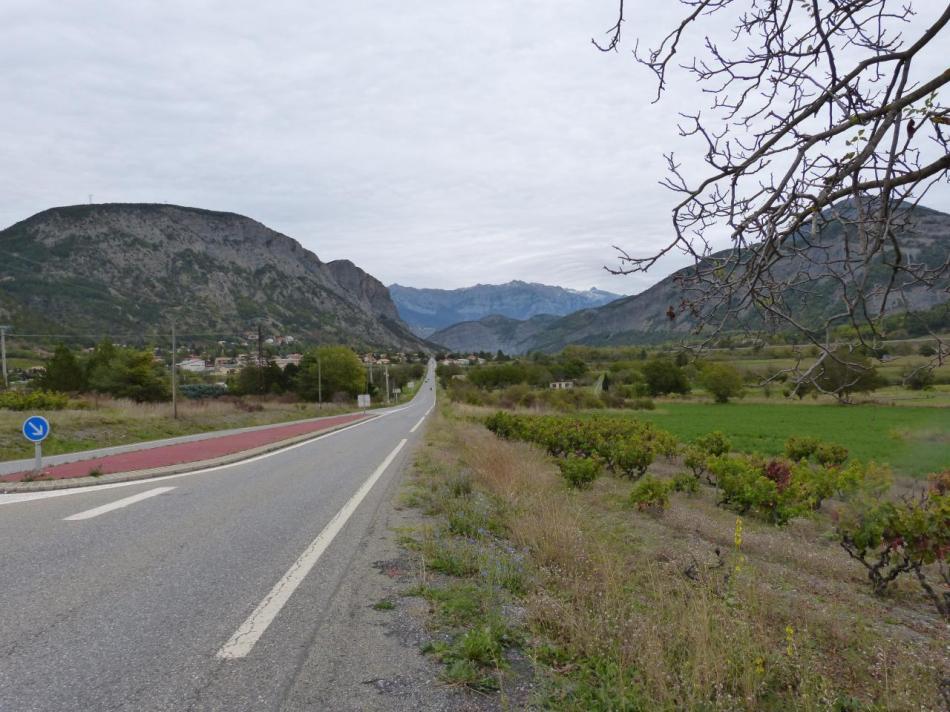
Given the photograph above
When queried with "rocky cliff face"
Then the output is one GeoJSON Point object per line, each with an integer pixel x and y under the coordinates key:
{"type": "Point", "coordinates": [428, 310]}
{"type": "Point", "coordinates": [128, 268]}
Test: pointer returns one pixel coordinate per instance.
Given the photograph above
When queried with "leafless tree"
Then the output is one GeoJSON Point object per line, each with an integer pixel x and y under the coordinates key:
{"type": "Point", "coordinates": [820, 140]}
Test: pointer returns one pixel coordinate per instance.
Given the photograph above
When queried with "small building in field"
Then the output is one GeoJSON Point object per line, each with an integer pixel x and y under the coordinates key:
{"type": "Point", "coordinates": [561, 385]}
{"type": "Point", "coordinates": [195, 365]}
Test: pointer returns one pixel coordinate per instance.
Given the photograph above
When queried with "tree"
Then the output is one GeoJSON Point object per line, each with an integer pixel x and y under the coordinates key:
{"type": "Point", "coordinates": [63, 372]}
{"type": "Point", "coordinates": [663, 376]}
{"type": "Point", "coordinates": [127, 373]}
{"type": "Point", "coordinates": [327, 371]}
{"type": "Point", "coordinates": [722, 381]}
{"type": "Point", "coordinates": [846, 371]}
{"type": "Point", "coordinates": [820, 139]}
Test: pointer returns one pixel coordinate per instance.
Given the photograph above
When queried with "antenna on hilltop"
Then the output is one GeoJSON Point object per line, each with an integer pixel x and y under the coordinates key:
{"type": "Point", "coordinates": [90, 198]}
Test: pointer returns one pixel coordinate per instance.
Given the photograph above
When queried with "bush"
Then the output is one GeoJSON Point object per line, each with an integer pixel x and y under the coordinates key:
{"type": "Point", "coordinates": [663, 376]}
{"type": "Point", "coordinates": [801, 448]}
{"type": "Point", "coordinates": [684, 482]}
{"type": "Point", "coordinates": [919, 379]}
{"type": "Point", "coordinates": [714, 443]}
{"type": "Point", "coordinates": [198, 391]}
{"type": "Point", "coordinates": [831, 454]}
{"type": "Point", "coordinates": [778, 492]}
{"type": "Point", "coordinates": [722, 381]}
{"type": "Point", "coordinates": [631, 457]}
{"type": "Point", "coordinates": [651, 493]}
{"type": "Point", "coordinates": [33, 400]}
{"type": "Point", "coordinates": [579, 472]}
{"type": "Point", "coordinates": [894, 538]}
{"type": "Point", "coordinates": [695, 459]}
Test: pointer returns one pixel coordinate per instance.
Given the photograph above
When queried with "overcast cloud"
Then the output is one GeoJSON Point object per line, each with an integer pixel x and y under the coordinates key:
{"type": "Point", "coordinates": [436, 143]}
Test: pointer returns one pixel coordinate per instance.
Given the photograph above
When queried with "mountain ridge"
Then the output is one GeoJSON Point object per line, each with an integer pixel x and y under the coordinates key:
{"type": "Point", "coordinates": [429, 310]}
{"type": "Point", "coordinates": [132, 266]}
{"type": "Point", "coordinates": [642, 318]}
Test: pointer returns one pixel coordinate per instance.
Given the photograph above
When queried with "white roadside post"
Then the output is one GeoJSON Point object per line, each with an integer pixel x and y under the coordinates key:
{"type": "Point", "coordinates": [36, 430]}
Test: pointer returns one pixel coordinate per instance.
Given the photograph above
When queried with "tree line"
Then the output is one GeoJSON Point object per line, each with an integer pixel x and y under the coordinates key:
{"type": "Point", "coordinates": [325, 373]}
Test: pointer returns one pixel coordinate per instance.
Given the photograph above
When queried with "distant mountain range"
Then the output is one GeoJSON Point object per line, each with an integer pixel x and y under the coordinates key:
{"type": "Point", "coordinates": [429, 310]}
{"type": "Point", "coordinates": [118, 269]}
{"type": "Point", "coordinates": [642, 318]}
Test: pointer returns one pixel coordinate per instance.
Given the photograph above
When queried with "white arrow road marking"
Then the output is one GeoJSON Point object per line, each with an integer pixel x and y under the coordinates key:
{"type": "Point", "coordinates": [253, 628]}
{"type": "Point", "coordinates": [118, 504]}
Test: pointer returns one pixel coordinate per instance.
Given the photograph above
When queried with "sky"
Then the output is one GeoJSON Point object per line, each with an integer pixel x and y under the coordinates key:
{"type": "Point", "coordinates": [435, 143]}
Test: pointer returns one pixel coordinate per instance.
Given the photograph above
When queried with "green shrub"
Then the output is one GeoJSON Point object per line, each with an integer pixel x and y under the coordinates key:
{"type": "Point", "coordinates": [631, 457]}
{"type": "Point", "coordinates": [33, 400]}
{"type": "Point", "coordinates": [778, 492]}
{"type": "Point", "coordinates": [894, 538]}
{"type": "Point", "coordinates": [651, 493]}
{"type": "Point", "coordinates": [801, 448]}
{"type": "Point", "coordinates": [714, 443]}
{"type": "Point", "coordinates": [722, 381]}
{"type": "Point", "coordinates": [831, 454]}
{"type": "Point", "coordinates": [684, 482]}
{"type": "Point", "coordinates": [579, 472]}
{"type": "Point", "coordinates": [695, 459]}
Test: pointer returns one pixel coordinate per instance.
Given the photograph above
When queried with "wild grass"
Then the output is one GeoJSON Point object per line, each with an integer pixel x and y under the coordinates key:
{"type": "Point", "coordinates": [679, 611]}
{"type": "Point", "coordinates": [104, 422]}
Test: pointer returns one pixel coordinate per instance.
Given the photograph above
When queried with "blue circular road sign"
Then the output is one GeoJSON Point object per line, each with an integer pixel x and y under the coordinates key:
{"type": "Point", "coordinates": [35, 428]}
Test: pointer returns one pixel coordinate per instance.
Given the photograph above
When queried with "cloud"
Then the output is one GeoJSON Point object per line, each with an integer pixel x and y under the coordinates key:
{"type": "Point", "coordinates": [433, 143]}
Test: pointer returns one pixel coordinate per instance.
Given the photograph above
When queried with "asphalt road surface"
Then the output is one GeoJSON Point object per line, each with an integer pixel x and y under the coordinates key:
{"type": "Point", "coordinates": [202, 591]}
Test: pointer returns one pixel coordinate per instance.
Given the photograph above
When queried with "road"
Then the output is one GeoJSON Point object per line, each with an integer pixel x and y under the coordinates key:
{"type": "Point", "coordinates": [201, 591]}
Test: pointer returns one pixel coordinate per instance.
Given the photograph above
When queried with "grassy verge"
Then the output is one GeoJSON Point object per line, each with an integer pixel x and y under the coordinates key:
{"type": "Point", "coordinates": [625, 610]}
{"type": "Point", "coordinates": [110, 422]}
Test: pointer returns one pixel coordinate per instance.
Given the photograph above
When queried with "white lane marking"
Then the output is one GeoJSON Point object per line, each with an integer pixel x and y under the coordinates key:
{"type": "Point", "coordinates": [31, 496]}
{"type": "Point", "coordinates": [118, 504]}
{"type": "Point", "coordinates": [253, 628]}
{"type": "Point", "coordinates": [416, 426]}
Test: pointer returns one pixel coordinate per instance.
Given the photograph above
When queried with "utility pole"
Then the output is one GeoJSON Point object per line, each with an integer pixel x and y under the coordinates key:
{"type": "Point", "coordinates": [174, 374]}
{"type": "Point", "coordinates": [387, 384]}
{"type": "Point", "coordinates": [260, 360]}
{"type": "Point", "coordinates": [319, 381]}
{"type": "Point", "coordinates": [3, 353]}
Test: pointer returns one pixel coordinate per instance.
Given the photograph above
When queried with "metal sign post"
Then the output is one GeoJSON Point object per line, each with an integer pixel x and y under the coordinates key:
{"type": "Point", "coordinates": [36, 430]}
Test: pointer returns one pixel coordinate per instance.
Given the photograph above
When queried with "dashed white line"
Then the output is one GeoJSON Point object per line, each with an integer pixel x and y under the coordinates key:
{"type": "Point", "coordinates": [243, 640]}
{"type": "Point", "coordinates": [416, 426]}
{"type": "Point", "coordinates": [118, 504]}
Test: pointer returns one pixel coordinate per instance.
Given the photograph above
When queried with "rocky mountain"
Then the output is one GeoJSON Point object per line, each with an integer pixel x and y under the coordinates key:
{"type": "Point", "coordinates": [428, 310]}
{"type": "Point", "coordinates": [641, 318]}
{"type": "Point", "coordinates": [130, 268]}
{"type": "Point", "coordinates": [492, 333]}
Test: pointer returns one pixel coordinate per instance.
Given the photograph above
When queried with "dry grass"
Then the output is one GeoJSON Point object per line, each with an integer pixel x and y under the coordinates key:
{"type": "Point", "coordinates": [782, 621]}
{"type": "Point", "coordinates": [104, 422]}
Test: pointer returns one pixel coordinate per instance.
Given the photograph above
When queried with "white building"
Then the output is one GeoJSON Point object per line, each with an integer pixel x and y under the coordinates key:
{"type": "Point", "coordinates": [195, 365]}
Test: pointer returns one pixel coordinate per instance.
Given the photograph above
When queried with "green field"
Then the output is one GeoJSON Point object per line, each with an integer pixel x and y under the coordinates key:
{"type": "Point", "coordinates": [913, 440]}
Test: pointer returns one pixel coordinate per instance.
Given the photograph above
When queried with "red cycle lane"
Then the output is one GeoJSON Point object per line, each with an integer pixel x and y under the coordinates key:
{"type": "Point", "coordinates": [183, 453]}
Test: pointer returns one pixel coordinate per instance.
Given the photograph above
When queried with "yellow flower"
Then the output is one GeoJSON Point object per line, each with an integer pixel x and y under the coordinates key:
{"type": "Point", "coordinates": [789, 640]}
{"type": "Point", "coordinates": [738, 535]}
{"type": "Point", "coordinates": [759, 666]}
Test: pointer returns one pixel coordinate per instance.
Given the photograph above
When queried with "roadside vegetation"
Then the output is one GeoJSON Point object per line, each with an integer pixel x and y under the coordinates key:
{"type": "Point", "coordinates": [88, 422]}
{"type": "Point", "coordinates": [704, 580]}
{"type": "Point", "coordinates": [878, 415]}
{"type": "Point", "coordinates": [114, 395]}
